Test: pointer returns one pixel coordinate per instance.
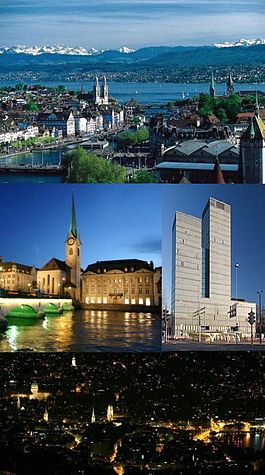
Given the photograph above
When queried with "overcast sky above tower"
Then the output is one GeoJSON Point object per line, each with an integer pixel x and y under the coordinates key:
{"type": "Point", "coordinates": [115, 222]}
{"type": "Point", "coordinates": [111, 24]}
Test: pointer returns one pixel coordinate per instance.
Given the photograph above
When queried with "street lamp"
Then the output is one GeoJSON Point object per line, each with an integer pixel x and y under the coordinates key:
{"type": "Point", "coordinates": [260, 313]}
{"type": "Point", "coordinates": [236, 270]}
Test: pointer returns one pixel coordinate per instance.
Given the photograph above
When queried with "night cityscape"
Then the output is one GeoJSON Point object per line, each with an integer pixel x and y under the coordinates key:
{"type": "Point", "coordinates": [176, 413]}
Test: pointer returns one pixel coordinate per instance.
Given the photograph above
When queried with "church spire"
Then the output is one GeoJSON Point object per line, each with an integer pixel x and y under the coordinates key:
{"type": "Point", "coordinates": [252, 130]}
{"type": "Point", "coordinates": [212, 86]}
{"type": "Point", "coordinates": [217, 172]}
{"type": "Point", "coordinates": [93, 417]}
{"type": "Point", "coordinates": [257, 106]}
{"type": "Point", "coordinates": [73, 227]}
{"type": "Point", "coordinates": [230, 84]}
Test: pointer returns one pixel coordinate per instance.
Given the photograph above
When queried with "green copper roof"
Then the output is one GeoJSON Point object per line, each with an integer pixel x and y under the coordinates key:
{"type": "Point", "coordinates": [73, 227]}
{"type": "Point", "coordinates": [252, 130]}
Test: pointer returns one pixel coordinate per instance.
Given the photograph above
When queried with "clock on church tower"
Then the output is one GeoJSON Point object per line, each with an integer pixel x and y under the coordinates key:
{"type": "Point", "coordinates": [73, 245]}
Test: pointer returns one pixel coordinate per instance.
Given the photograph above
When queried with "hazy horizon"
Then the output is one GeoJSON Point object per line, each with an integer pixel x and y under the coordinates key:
{"type": "Point", "coordinates": [110, 24]}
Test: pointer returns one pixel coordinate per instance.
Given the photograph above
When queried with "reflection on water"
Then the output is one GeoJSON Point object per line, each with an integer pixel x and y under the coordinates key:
{"type": "Point", "coordinates": [84, 330]}
{"type": "Point", "coordinates": [249, 440]}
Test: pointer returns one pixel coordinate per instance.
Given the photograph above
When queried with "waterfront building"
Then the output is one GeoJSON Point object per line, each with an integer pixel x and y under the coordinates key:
{"type": "Point", "coordinates": [113, 118]}
{"type": "Point", "coordinates": [201, 276]}
{"type": "Point", "coordinates": [252, 145]}
{"type": "Point", "coordinates": [122, 283]}
{"type": "Point", "coordinates": [80, 125]}
{"type": "Point", "coordinates": [17, 277]}
{"type": "Point", "coordinates": [128, 284]}
{"type": "Point", "coordinates": [8, 136]}
{"type": "Point", "coordinates": [94, 122]}
{"type": "Point", "coordinates": [64, 121]}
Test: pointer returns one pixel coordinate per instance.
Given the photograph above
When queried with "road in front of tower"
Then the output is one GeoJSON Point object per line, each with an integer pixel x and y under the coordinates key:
{"type": "Point", "coordinates": [196, 346]}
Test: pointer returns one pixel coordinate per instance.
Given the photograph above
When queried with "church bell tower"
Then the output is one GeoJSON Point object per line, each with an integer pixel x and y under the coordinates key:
{"type": "Point", "coordinates": [73, 248]}
{"type": "Point", "coordinates": [252, 150]}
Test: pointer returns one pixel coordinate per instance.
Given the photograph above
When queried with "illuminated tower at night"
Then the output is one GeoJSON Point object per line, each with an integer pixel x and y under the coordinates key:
{"type": "Point", "coordinates": [72, 251]}
{"type": "Point", "coordinates": [74, 365]}
{"type": "Point", "coordinates": [110, 413]}
{"type": "Point", "coordinates": [46, 415]}
{"type": "Point", "coordinates": [93, 417]}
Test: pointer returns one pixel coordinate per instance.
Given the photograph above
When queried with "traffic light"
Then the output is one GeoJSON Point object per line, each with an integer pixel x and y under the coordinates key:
{"type": "Point", "coordinates": [165, 313]}
{"type": "Point", "coordinates": [251, 317]}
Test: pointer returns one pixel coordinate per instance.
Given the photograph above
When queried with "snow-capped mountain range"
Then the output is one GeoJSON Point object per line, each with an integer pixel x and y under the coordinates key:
{"type": "Point", "coordinates": [58, 49]}
{"type": "Point", "coordinates": [243, 42]}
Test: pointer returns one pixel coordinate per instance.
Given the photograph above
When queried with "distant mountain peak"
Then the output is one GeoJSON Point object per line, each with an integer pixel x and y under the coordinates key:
{"type": "Point", "coordinates": [243, 42]}
{"type": "Point", "coordinates": [58, 49]}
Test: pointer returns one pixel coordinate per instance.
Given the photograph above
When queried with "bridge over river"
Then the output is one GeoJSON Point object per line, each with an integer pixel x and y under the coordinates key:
{"type": "Point", "coordinates": [8, 304]}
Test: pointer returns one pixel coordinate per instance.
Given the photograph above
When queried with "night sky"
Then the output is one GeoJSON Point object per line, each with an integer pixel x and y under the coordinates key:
{"type": "Point", "coordinates": [248, 230]}
{"type": "Point", "coordinates": [115, 222]}
{"type": "Point", "coordinates": [112, 24]}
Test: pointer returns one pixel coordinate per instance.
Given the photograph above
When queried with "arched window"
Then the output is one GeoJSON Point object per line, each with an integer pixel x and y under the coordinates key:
{"type": "Point", "coordinates": [78, 251]}
{"type": "Point", "coordinates": [71, 252]}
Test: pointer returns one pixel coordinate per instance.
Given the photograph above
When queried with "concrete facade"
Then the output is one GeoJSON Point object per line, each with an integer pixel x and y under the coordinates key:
{"type": "Point", "coordinates": [201, 275]}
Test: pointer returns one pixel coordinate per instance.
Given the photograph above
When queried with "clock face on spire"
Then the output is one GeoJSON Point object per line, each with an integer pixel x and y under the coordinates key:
{"type": "Point", "coordinates": [70, 241]}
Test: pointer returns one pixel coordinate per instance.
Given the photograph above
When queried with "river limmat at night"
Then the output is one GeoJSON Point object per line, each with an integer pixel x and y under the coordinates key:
{"type": "Point", "coordinates": [192, 413]}
{"type": "Point", "coordinates": [50, 303]}
{"type": "Point", "coordinates": [84, 330]}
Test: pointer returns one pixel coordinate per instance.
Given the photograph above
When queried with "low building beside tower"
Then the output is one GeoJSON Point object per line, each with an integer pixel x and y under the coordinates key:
{"type": "Point", "coordinates": [127, 283]}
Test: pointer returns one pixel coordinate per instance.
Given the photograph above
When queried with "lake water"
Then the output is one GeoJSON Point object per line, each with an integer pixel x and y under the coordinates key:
{"type": "Point", "coordinates": [253, 440]}
{"type": "Point", "coordinates": [45, 157]}
{"type": "Point", "coordinates": [150, 93]}
{"type": "Point", "coordinates": [85, 330]}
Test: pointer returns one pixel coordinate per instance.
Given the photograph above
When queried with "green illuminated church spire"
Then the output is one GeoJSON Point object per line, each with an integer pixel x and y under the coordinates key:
{"type": "Point", "coordinates": [73, 227]}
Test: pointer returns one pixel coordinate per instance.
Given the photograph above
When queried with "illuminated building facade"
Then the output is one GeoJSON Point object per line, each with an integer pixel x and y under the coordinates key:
{"type": "Point", "coordinates": [14, 276]}
{"type": "Point", "coordinates": [129, 282]}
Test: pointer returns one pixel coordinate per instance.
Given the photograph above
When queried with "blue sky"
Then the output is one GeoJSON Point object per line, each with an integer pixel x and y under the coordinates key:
{"type": "Point", "coordinates": [248, 229]}
{"type": "Point", "coordinates": [111, 24]}
{"type": "Point", "coordinates": [115, 222]}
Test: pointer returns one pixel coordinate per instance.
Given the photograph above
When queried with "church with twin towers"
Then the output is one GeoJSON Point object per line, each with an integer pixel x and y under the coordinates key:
{"type": "Point", "coordinates": [201, 277]}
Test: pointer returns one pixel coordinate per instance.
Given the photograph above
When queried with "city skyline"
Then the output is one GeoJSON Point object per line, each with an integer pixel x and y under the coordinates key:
{"type": "Point", "coordinates": [246, 211]}
{"type": "Point", "coordinates": [133, 24]}
{"type": "Point", "coordinates": [107, 235]}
